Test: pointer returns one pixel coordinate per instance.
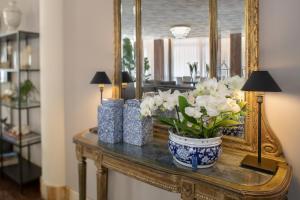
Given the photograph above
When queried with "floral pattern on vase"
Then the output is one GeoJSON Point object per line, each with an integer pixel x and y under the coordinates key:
{"type": "Point", "coordinates": [195, 153]}
{"type": "Point", "coordinates": [137, 130]}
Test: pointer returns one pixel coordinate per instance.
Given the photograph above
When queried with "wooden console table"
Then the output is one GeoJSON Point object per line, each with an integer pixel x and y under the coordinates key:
{"type": "Point", "coordinates": [154, 165]}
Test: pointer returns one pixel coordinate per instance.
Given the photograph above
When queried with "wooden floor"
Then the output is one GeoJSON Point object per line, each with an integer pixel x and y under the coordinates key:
{"type": "Point", "coordinates": [11, 191]}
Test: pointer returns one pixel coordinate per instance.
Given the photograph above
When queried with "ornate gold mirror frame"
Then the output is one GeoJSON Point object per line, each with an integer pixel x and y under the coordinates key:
{"type": "Point", "coordinates": [271, 144]}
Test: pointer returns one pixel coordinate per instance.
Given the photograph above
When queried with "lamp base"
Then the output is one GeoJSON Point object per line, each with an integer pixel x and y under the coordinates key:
{"type": "Point", "coordinates": [267, 165]}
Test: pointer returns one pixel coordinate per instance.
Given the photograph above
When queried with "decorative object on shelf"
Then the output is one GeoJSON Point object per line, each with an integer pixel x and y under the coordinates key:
{"type": "Point", "coordinates": [26, 56]}
{"type": "Point", "coordinates": [260, 81]}
{"type": "Point", "coordinates": [6, 55]}
{"type": "Point", "coordinates": [12, 16]}
{"type": "Point", "coordinates": [180, 31]}
{"type": "Point", "coordinates": [110, 120]}
{"type": "Point", "coordinates": [27, 88]}
{"type": "Point", "coordinates": [195, 139]}
{"type": "Point", "coordinates": [6, 126]}
{"type": "Point", "coordinates": [8, 95]}
{"type": "Point", "coordinates": [126, 78]}
{"type": "Point", "coordinates": [25, 129]}
{"type": "Point", "coordinates": [101, 79]}
{"type": "Point", "coordinates": [9, 158]}
{"type": "Point", "coordinates": [137, 130]}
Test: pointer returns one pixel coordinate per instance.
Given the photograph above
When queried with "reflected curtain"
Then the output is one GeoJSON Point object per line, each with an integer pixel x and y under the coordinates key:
{"type": "Point", "coordinates": [189, 50]}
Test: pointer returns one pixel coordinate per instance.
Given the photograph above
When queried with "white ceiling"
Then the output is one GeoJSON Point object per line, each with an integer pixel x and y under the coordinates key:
{"type": "Point", "coordinates": [158, 16]}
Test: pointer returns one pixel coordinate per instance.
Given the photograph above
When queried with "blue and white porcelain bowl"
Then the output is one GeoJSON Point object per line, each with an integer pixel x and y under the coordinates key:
{"type": "Point", "coordinates": [195, 153]}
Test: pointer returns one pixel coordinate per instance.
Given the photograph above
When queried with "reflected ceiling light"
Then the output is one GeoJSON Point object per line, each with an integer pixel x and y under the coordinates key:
{"type": "Point", "coordinates": [180, 32]}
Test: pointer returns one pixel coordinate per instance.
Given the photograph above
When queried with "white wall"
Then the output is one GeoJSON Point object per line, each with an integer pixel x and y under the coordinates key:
{"type": "Point", "coordinates": [280, 54]}
{"type": "Point", "coordinates": [52, 93]}
{"type": "Point", "coordinates": [30, 14]}
{"type": "Point", "coordinates": [89, 47]}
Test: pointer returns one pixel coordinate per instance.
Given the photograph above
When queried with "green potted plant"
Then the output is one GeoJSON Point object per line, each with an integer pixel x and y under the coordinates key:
{"type": "Point", "coordinates": [26, 88]}
{"type": "Point", "coordinates": [195, 134]}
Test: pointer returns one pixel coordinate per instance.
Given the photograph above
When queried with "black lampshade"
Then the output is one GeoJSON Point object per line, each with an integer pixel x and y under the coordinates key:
{"type": "Point", "coordinates": [126, 78]}
{"type": "Point", "coordinates": [261, 81]}
{"type": "Point", "coordinates": [100, 78]}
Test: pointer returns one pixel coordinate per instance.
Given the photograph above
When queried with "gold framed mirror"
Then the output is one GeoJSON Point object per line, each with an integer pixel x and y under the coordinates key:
{"type": "Point", "coordinates": [134, 18]}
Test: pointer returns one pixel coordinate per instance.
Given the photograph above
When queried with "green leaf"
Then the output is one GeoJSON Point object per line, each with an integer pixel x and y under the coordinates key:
{"type": "Point", "coordinates": [183, 103]}
{"type": "Point", "coordinates": [228, 122]}
{"type": "Point", "coordinates": [167, 120]}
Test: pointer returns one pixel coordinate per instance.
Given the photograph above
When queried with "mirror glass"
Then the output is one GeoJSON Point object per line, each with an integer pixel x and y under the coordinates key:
{"type": "Point", "coordinates": [128, 49]}
{"type": "Point", "coordinates": [231, 38]}
{"type": "Point", "coordinates": [175, 42]}
{"type": "Point", "coordinates": [175, 34]}
{"type": "Point", "coordinates": [231, 57]}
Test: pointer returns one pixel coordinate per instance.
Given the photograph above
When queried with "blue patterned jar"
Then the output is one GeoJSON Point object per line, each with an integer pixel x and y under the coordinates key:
{"type": "Point", "coordinates": [110, 120]}
{"type": "Point", "coordinates": [137, 130]}
{"type": "Point", "coordinates": [195, 153]}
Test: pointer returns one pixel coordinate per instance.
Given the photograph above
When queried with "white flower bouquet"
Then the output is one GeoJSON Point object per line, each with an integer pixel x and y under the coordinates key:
{"type": "Point", "coordinates": [201, 113]}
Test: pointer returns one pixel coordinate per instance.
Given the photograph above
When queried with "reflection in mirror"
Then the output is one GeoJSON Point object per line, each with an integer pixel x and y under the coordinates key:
{"type": "Point", "coordinates": [231, 41]}
{"type": "Point", "coordinates": [175, 36]}
{"type": "Point", "coordinates": [128, 48]}
{"type": "Point", "coordinates": [231, 59]}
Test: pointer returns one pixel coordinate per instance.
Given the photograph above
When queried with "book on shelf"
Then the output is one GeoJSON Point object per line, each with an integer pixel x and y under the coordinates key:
{"type": "Point", "coordinates": [9, 159]}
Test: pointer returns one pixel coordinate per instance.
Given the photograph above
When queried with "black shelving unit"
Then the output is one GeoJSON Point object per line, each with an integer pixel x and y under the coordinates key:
{"type": "Point", "coordinates": [24, 171]}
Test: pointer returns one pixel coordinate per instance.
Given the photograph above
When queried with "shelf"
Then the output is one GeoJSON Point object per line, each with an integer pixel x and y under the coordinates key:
{"type": "Point", "coordinates": [21, 70]}
{"type": "Point", "coordinates": [22, 35]}
{"type": "Point", "coordinates": [29, 70]}
{"type": "Point", "coordinates": [24, 105]}
{"type": "Point", "coordinates": [30, 171]}
{"type": "Point", "coordinates": [28, 139]}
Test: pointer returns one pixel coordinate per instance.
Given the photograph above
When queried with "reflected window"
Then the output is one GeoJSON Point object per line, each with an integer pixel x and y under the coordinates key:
{"type": "Point", "coordinates": [190, 50]}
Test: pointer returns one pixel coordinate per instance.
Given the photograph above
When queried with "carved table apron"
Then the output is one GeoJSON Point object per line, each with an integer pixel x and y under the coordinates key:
{"type": "Point", "coordinates": [153, 164]}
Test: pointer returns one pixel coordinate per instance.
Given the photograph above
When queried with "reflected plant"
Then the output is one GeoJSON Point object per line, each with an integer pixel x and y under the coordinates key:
{"type": "Point", "coordinates": [146, 68]}
{"type": "Point", "coordinates": [193, 69]}
{"type": "Point", "coordinates": [203, 112]}
{"type": "Point", "coordinates": [128, 61]}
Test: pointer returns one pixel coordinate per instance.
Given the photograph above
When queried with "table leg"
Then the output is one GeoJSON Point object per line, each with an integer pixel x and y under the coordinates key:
{"type": "Point", "coordinates": [102, 177]}
{"type": "Point", "coordinates": [187, 190]}
{"type": "Point", "coordinates": [82, 178]}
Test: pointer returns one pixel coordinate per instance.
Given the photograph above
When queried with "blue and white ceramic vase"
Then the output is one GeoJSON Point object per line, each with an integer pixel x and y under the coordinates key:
{"type": "Point", "coordinates": [137, 130]}
{"type": "Point", "coordinates": [235, 130]}
{"type": "Point", "coordinates": [195, 153]}
{"type": "Point", "coordinates": [110, 121]}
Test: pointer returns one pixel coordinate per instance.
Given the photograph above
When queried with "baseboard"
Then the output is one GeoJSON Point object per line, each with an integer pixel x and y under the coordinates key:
{"type": "Point", "coordinates": [74, 195]}
{"type": "Point", "coordinates": [54, 193]}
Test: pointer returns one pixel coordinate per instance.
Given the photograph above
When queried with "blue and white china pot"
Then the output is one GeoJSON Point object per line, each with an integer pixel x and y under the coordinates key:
{"type": "Point", "coordinates": [195, 153]}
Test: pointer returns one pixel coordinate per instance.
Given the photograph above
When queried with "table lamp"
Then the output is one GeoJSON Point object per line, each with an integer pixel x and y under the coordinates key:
{"type": "Point", "coordinates": [260, 81]}
{"type": "Point", "coordinates": [126, 78]}
{"type": "Point", "coordinates": [101, 79]}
